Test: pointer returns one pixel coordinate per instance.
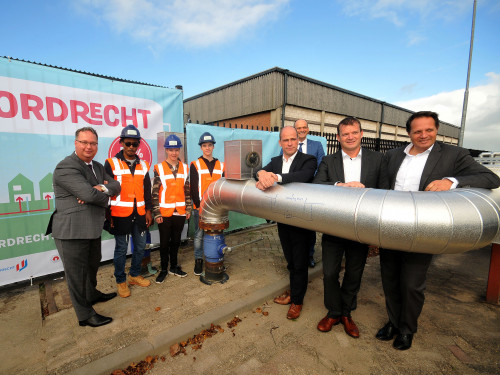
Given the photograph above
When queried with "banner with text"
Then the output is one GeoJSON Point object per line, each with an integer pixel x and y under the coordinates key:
{"type": "Point", "coordinates": [40, 109]}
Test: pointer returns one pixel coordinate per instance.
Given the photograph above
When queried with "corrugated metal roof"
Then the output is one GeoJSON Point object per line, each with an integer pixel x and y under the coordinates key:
{"type": "Point", "coordinates": [82, 72]}
{"type": "Point", "coordinates": [311, 80]}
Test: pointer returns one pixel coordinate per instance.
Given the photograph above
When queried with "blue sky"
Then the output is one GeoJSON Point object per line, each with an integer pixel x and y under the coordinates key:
{"type": "Point", "coordinates": [412, 53]}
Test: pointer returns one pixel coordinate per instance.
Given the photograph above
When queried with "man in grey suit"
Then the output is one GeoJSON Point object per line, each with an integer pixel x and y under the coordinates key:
{"type": "Point", "coordinates": [355, 167]}
{"type": "Point", "coordinates": [82, 190]}
{"type": "Point", "coordinates": [314, 148]}
{"type": "Point", "coordinates": [427, 165]}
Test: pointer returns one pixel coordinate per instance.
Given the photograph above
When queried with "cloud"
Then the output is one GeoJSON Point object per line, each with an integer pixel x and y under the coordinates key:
{"type": "Point", "coordinates": [400, 12]}
{"type": "Point", "coordinates": [199, 23]}
{"type": "Point", "coordinates": [482, 126]}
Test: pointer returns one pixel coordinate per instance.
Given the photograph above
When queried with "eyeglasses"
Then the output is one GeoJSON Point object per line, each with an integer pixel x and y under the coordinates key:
{"type": "Point", "coordinates": [131, 144]}
{"type": "Point", "coordinates": [85, 143]}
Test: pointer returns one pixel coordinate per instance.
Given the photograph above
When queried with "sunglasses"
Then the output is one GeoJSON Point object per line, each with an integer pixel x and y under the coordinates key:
{"type": "Point", "coordinates": [131, 144]}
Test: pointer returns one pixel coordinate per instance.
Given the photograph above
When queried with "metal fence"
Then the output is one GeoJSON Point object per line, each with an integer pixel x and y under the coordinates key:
{"type": "Point", "coordinates": [375, 144]}
{"type": "Point", "coordinates": [332, 145]}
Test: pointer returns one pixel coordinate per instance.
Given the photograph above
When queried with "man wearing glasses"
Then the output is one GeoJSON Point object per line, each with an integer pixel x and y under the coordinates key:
{"type": "Point", "coordinates": [130, 210]}
{"type": "Point", "coordinates": [82, 190]}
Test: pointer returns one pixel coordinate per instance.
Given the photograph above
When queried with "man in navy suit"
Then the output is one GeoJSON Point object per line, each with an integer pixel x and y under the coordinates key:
{"type": "Point", "coordinates": [314, 148]}
{"type": "Point", "coordinates": [293, 166]}
{"type": "Point", "coordinates": [423, 165]}
{"type": "Point", "coordinates": [354, 167]}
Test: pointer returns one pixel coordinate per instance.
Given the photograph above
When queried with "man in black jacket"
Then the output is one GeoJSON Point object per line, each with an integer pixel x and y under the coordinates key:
{"type": "Point", "coordinates": [293, 166]}
{"type": "Point", "coordinates": [423, 165]}
{"type": "Point", "coordinates": [354, 167]}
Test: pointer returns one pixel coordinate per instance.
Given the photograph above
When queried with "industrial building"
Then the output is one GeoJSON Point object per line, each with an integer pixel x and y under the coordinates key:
{"type": "Point", "coordinates": [278, 97]}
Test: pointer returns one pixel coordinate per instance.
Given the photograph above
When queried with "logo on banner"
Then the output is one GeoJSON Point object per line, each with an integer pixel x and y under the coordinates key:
{"type": "Point", "coordinates": [21, 266]}
{"type": "Point", "coordinates": [143, 151]}
{"type": "Point", "coordinates": [55, 259]}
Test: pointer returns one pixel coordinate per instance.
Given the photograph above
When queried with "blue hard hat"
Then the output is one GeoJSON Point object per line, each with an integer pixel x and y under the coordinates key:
{"type": "Point", "coordinates": [206, 138]}
{"type": "Point", "coordinates": [172, 141]}
{"type": "Point", "coordinates": [130, 131]}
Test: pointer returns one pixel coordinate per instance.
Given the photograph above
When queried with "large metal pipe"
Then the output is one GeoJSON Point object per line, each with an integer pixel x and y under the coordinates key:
{"type": "Point", "coordinates": [425, 222]}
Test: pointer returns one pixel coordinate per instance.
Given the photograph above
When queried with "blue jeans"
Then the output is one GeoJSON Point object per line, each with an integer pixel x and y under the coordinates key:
{"type": "Point", "coordinates": [198, 236]}
{"type": "Point", "coordinates": [120, 256]}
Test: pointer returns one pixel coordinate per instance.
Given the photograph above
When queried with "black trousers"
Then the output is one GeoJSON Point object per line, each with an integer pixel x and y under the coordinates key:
{"type": "Point", "coordinates": [170, 240]}
{"type": "Point", "coordinates": [403, 279]}
{"type": "Point", "coordinates": [295, 243]}
{"type": "Point", "coordinates": [81, 260]}
{"type": "Point", "coordinates": [341, 299]}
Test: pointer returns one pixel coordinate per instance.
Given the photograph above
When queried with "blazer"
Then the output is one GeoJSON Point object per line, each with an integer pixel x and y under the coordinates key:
{"type": "Point", "coordinates": [302, 169]}
{"type": "Point", "coordinates": [373, 170]}
{"type": "Point", "coordinates": [315, 148]}
{"type": "Point", "coordinates": [73, 179]}
{"type": "Point", "coordinates": [445, 161]}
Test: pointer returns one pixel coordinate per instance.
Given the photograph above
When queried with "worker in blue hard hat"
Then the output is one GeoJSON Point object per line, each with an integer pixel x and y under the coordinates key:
{"type": "Point", "coordinates": [171, 206]}
{"type": "Point", "coordinates": [205, 170]}
{"type": "Point", "coordinates": [130, 210]}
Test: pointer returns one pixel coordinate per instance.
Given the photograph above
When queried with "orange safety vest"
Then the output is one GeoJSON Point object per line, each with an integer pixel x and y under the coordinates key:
{"type": "Point", "coordinates": [132, 187]}
{"type": "Point", "coordinates": [204, 177]}
{"type": "Point", "coordinates": [172, 189]}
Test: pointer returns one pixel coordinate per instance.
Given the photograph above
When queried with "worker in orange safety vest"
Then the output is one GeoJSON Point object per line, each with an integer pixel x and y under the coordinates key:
{"type": "Point", "coordinates": [204, 170]}
{"type": "Point", "coordinates": [131, 210]}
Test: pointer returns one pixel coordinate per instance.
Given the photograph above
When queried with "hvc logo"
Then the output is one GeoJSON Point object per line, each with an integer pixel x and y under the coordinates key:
{"type": "Point", "coordinates": [21, 266]}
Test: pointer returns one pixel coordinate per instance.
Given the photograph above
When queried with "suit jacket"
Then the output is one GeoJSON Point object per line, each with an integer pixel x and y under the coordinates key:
{"type": "Point", "coordinates": [73, 179]}
{"type": "Point", "coordinates": [315, 148]}
{"type": "Point", "coordinates": [301, 170]}
{"type": "Point", "coordinates": [445, 161]}
{"type": "Point", "coordinates": [373, 170]}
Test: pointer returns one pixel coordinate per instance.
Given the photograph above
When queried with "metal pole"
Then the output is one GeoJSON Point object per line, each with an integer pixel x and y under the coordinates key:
{"type": "Point", "coordinates": [466, 95]}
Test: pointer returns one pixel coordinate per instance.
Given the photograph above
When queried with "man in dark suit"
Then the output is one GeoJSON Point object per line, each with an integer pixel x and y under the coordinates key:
{"type": "Point", "coordinates": [422, 165]}
{"type": "Point", "coordinates": [293, 166]}
{"type": "Point", "coordinates": [314, 148]}
{"type": "Point", "coordinates": [82, 190]}
{"type": "Point", "coordinates": [351, 166]}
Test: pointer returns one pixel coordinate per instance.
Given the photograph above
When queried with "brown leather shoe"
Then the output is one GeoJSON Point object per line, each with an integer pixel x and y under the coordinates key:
{"type": "Point", "coordinates": [294, 311]}
{"type": "Point", "coordinates": [284, 299]}
{"type": "Point", "coordinates": [349, 326]}
{"type": "Point", "coordinates": [326, 324]}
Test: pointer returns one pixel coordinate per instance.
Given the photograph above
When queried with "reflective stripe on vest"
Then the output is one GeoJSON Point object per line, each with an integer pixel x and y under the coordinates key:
{"type": "Point", "coordinates": [204, 177]}
{"type": "Point", "coordinates": [132, 187]}
{"type": "Point", "coordinates": [171, 194]}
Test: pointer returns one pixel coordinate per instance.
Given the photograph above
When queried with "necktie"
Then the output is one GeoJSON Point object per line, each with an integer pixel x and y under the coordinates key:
{"type": "Point", "coordinates": [91, 169]}
{"type": "Point", "coordinates": [300, 146]}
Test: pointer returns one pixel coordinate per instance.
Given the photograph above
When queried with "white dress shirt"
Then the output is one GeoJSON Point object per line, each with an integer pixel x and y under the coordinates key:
{"type": "Point", "coordinates": [352, 167]}
{"type": "Point", "coordinates": [286, 165]}
{"type": "Point", "coordinates": [410, 171]}
{"type": "Point", "coordinates": [304, 146]}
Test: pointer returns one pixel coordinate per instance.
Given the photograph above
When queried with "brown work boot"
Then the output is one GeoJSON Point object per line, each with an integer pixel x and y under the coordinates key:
{"type": "Point", "coordinates": [123, 290]}
{"type": "Point", "coordinates": [138, 280]}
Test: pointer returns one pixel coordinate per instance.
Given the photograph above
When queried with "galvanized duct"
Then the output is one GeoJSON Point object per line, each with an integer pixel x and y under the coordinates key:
{"type": "Point", "coordinates": [425, 222]}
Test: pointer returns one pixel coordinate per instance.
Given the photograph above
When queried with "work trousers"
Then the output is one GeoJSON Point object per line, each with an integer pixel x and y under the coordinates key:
{"type": "Point", "coordinates": [170, 240]}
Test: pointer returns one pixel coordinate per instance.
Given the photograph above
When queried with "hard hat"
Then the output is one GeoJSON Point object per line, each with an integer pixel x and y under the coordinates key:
{"type": "Point", "coordinates": [206, 138]}
{"type": "Point", "coordinates": [172, 141]}
{"type": "Point", "coordinates": [130, 131]}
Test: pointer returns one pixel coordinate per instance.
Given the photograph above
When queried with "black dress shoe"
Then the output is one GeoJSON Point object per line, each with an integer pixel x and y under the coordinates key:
{"type": "Point", "coordinates": [387, 332]}
{"type": "Point", "coordinates": [104, 297]}
{"type": "Point", "coordinates": [96, 321]}
{"type": "Point", "coordinates": [403, 341]}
